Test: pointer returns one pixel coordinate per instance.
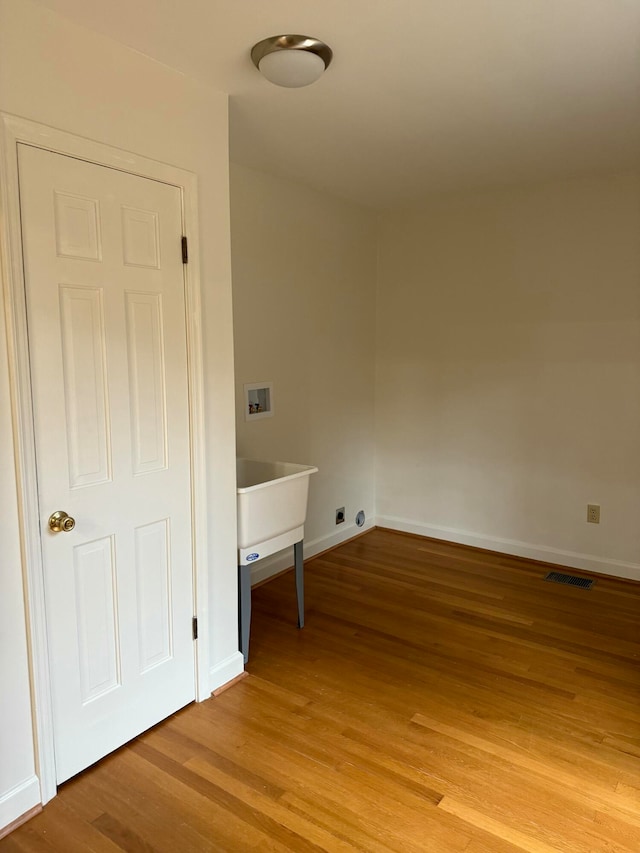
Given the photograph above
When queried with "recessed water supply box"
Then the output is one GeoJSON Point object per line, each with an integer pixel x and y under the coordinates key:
{"type": "Point", "coordinates": [258, 400]}
{"type": "Point", "coordinates": [272, 508]}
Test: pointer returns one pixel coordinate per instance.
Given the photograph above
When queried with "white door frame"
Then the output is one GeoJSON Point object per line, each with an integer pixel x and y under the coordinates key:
{"type": "Point", "coordinates": [15, 130]}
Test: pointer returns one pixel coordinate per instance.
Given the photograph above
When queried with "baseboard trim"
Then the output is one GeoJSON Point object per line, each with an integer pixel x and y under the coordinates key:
{"type": "Point", "coordinates": [270, 566]}
{"type": "Point", "coordinates": [19, 804]}
{"type": "Point", "coordinates": [514, 547]}
{"type": "Point", "coordinates": [231, 683]}
{"type": "Point", "coordinates": [225, 671]}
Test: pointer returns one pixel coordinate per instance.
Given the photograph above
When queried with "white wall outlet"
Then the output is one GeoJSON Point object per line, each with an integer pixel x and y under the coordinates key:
{"type": "Point", "coordinates": [593, 513]}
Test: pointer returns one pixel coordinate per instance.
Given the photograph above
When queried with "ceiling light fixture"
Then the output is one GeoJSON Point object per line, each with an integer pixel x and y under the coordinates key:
{"type": "Point", "coordinates": [291, 60]}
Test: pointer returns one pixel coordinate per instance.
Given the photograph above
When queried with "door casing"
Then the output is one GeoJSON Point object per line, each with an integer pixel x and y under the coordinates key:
{"type": "Point", "coordinates": [14, 130]}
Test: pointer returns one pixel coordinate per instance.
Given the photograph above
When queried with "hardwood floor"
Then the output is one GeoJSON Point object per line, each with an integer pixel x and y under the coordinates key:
{"type": "Point", "coordinates": [439, 699]}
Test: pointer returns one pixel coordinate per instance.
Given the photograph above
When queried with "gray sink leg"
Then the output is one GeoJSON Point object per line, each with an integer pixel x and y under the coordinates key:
{"type": "Point", "coordinates": [299, 563]}
{"type": "Point", "coordinates": [244, 598]}
{"type": "Point", "coordinates": [244, 609]}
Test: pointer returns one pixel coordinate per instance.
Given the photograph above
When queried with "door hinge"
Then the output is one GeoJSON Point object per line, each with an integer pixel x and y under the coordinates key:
{"type": "Point", "coordinates": [185, 251]}
{"type": "Point", "coordinates": [194, 627]}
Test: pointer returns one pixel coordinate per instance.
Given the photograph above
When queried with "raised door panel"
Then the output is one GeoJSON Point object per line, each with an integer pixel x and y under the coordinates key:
{"type": "Point", "coordinates": [97, 618]}
{"type": "Point", "coordinates": [153, 581]}
{"type": "Point", "coordinates": [77, 227]}
{"type": "Point", "coordinates": [85, 385]}
{"type": "Point", "coordinates": [147, 390]}
{"type": "Point", "coordinates": [140, 238]}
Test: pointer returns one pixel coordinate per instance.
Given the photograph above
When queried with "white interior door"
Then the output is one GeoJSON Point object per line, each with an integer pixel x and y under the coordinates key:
{"type": "Point", "coordinates": [107, 341]}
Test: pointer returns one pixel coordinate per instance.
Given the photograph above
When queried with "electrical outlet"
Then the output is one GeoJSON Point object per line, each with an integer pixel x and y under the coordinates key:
{"type": "Point", "coordinates": [593, 513]}
{"type": "Point", "coordinates": [340, 515]}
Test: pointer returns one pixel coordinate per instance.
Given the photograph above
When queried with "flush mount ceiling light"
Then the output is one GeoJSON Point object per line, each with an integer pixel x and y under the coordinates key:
{"type": "Point", "coordinates": [291, 60]}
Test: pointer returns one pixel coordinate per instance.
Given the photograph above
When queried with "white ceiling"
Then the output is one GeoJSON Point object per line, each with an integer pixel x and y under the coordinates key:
{"type": "Point", "coordinates": [422, 95]}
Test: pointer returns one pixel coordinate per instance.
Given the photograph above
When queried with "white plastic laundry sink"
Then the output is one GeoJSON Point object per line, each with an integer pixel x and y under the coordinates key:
{"type": "Point", "coordinates": [272, 506]}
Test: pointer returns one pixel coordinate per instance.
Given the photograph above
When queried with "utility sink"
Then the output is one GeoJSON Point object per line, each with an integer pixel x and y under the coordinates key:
{"type": "Point", "coordinates": [272, 508]}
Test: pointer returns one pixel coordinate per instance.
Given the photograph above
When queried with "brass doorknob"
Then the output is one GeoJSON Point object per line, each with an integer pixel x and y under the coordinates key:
{"type": "Point", "coordinates": [60, 522]}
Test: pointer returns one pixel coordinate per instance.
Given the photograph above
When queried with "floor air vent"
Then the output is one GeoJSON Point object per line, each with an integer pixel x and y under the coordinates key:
{"type": "Point", "coordinates": [571, 580]}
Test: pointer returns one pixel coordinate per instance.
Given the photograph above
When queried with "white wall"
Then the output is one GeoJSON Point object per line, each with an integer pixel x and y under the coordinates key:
{"type": "Point", "coordinates": [54, 72]}
{"type": "Point", "coordinates": [508, 346]}
{"type": "Point", "coordinates": [508, 371]}
{"type": "Point", "coordinates": [19, 787]}
{"type": "Point", "coordinates": [303, 299]}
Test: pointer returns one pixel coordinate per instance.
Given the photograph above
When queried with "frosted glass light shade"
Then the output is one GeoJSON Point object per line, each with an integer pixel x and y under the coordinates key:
{"type": "Point", "coordinates": [291, 68]}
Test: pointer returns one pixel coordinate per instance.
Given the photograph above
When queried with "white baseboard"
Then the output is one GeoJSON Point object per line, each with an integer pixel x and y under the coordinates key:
{"type": "Point", "coordinates": [572, 559]}
{"type": "Point", "coordinates": [226, 670]}
{"type": "Point", "coordinates": [19, 800]}
{"type": "Point", "coordinates": [284, 560]}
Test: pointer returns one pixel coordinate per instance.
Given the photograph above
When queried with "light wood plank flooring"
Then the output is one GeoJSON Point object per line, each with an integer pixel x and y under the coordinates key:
{"type": "Point", "coordinates": [439, 699]}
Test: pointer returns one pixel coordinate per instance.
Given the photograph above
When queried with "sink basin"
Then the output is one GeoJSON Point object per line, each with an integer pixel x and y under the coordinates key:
{"type": "Point", "coordinates": [272, 506]}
